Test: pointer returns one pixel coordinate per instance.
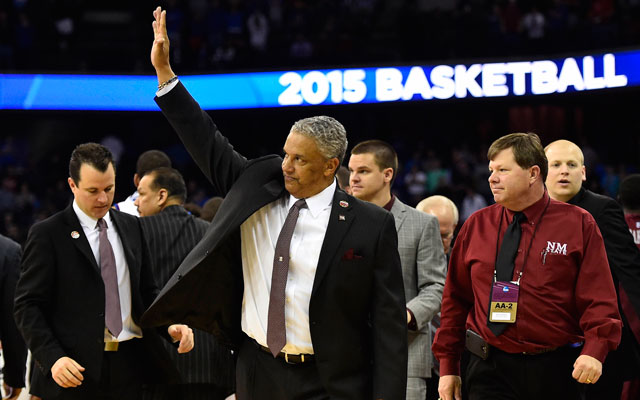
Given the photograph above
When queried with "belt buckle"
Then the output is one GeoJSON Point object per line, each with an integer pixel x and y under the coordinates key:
{"type": "Point", "coordinates": [286, 359]}
{"type": "Point", "coordinates": [111, 346]}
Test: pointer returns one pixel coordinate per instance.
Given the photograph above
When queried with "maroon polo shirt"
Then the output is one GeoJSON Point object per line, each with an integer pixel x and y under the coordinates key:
{"type": "Point", "coordinates": [566, 290]}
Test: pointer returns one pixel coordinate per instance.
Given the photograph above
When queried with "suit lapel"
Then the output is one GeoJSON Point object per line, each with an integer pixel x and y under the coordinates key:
{"type": "Point", "coordinates": [399, 213]}
{"type": "Point", "coordinates": [122, 233]}
{"type": "Point", "coordinates": [340, 220]}
{"type": "Point", "coordinates": [77, 236]}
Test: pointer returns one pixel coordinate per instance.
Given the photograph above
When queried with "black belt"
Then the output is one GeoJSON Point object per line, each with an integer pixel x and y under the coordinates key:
{"type": "Point", "coordinates": [289, 358]}
{"type": "Point", "coordinates": [477, 350]}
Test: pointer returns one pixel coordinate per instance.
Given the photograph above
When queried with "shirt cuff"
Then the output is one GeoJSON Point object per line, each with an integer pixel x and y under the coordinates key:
{"type": "Point", "coordinates": [167, 88]}
{"type": "Point", "coordinates": [595, 349]}
{"type": "Point", "coordinates": [449, 367]}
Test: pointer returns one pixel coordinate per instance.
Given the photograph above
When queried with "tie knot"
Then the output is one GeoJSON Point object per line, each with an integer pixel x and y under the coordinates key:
{"type": "Point", "coordinates": [102, 224]}
{"type": "Point", "coordinates": [300, 204]}
{"type": "Point", "coordinates": [519, 217]}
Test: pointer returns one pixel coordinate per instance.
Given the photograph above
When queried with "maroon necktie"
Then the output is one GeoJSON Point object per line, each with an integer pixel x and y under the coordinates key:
{"type": "Point", "coordinates": [276, 331]}
{"type": "Point", "coordinates": [113, 317]}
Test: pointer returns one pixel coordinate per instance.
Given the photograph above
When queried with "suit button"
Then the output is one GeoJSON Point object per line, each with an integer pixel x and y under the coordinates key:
{"type": "Point", "coordinates": [179, 276]}
{"type": "Point", "coordinates": [101, 315]}
{"type": "Point", "coordinates": [206, 253]}
{"type": "Point", "coordinates": [100, 341]}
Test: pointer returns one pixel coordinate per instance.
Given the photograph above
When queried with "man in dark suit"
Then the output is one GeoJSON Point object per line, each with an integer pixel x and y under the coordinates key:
{"type": "Point", "coordinates": [564, 182]}
{"type": "Point", "coordinates": [14, 350]}
{"type": "Point", "coordinates": [171, 233]}
{"type": "Point", "coordinates": [334, 324]}
{"type": "Point", "coordinates": [85, 281]}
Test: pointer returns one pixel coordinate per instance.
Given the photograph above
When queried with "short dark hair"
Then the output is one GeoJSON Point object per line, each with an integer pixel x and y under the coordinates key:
{"type": "Point", "coordinates": [343, 176]}
{"type": "Point", "coordinates": [383, 154]}
{"type": "Point", "coordinates": [629, 192]}
{"type": "Point", "coordinates": [93, 154]}
{"type": "Point", "coordinates": [210, 208]}
{"type": "Point", "coordinates": [169, 179]}
{"type": "Point", "coordinates": [527, 151]}
{"type": "Point", "coordinates": [150, 160]}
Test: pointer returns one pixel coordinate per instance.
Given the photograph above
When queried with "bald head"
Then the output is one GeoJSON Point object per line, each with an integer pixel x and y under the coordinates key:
{"type": "Point", "coordinates": [566, 169]}
{"type": "Point", "coordinates": [446, 212]}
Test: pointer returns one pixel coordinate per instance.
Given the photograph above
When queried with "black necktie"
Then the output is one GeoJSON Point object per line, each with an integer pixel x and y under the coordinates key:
{"type": "Point", "coordinates": [509, 248]}
{"type": "Point", "coordinates": [505, 262]}
{"type": "Point", "coordinates": [276, 330]}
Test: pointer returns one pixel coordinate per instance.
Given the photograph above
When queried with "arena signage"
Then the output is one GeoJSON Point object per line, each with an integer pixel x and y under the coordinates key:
{"type": "Point", "coordinates": [330, 86]}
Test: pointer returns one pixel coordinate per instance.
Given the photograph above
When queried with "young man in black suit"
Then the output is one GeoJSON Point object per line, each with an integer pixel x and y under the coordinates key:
{"type": "Point", "coordinates": [82, 290]}
{"type": "Point", "coordinates": [338, 310]}
{"type": "Point", "coordinates": [564, 182]}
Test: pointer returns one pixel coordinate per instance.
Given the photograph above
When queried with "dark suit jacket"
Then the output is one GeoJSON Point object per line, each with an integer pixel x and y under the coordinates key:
{"type": "Point", "coordinates": [171, 235]}
{"type": "Point", "coordinates": [357, 312]}
{"type": "Point", "coordinates": [14, 349]}
{"type": "Point", "coordinates": [60, 305]}
{"type": "Point", "coordinates": [624, 260]}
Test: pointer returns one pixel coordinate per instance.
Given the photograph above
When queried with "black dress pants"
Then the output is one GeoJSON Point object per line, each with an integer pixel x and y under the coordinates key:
{"type": "Point", "coordinates": [260, 376]}
{"type": "Point", "coordinates": [120, 377]}
{"type": "Point", "coordinates": [505, 376]}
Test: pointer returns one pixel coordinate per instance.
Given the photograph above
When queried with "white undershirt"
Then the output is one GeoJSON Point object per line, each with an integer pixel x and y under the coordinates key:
{"type": "Point", "coordinates": [90, 228]}
{"type": "Point", "coordinates": [259, 235]}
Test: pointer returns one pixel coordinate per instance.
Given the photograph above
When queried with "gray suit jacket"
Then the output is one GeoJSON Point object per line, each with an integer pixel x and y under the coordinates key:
{"type": "Point", "coordinates": [424, 272]}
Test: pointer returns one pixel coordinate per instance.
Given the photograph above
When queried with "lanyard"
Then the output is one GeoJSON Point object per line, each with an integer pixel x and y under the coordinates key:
{"type": "Point", "coordinates": [526, 256]}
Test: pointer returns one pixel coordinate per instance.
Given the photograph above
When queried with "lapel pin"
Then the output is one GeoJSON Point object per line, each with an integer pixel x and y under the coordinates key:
{"type": "Point", "coordinates": [341, 217]}
{"type": "Point", "coordinates": [75, 234]}
{"type": "Point", "coordinates": [344, 204]}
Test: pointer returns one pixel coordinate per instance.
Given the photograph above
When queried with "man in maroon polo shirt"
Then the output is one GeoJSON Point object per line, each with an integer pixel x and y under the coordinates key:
{"type": "Point", "coordinates": [547, 328]}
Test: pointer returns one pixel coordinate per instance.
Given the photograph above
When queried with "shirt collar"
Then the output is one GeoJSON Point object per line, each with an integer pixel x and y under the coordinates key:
{"type": "Point", "coordinates": [578, 196]}
{"type": "Point", "coordinates": [318, 202]}
{"type": "Point", "coordinates": [389, 205]}
{"type": "Point", "coordinates": [534, 211]}
{"type": "Point", "coordinates": [87, 221]}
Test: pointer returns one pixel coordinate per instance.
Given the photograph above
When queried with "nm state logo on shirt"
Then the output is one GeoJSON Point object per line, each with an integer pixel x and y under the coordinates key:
{"type": "Point", "coordinates": [557, 248]}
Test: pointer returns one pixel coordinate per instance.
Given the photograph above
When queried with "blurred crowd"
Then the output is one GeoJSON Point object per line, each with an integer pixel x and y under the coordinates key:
{"type": "Point", "coordinates": [206, 35]}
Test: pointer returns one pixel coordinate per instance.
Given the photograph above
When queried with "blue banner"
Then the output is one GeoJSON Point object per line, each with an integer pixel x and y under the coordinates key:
{"type": "Point", "coordinates": [328, 86]}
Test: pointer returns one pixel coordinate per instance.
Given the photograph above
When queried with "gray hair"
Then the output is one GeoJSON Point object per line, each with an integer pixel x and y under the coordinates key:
{"type": "Point", "coordinates": [329, 135]}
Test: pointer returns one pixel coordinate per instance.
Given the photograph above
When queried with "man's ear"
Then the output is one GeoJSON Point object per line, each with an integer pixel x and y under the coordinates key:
{"type": "Point", "coordinates": [331, 167]}
{"type": "Point", "coordinates": [534, 173]}
{"type": "Point", "coordinates": [388, 174]}
{"type": "Point", "coordinates": [163, 196]}
{"type": "Point", "coordinates": [584, 173]}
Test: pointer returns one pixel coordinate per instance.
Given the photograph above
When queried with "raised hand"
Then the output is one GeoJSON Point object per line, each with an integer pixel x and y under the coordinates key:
{"type": "Point", "coordinates": [160, 48]}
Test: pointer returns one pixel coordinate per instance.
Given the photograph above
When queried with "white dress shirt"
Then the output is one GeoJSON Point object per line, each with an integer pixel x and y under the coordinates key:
{"type": "Point", "coordinates": [90, 228]}
{"type": "Point", "coordinates": [259, 235]}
